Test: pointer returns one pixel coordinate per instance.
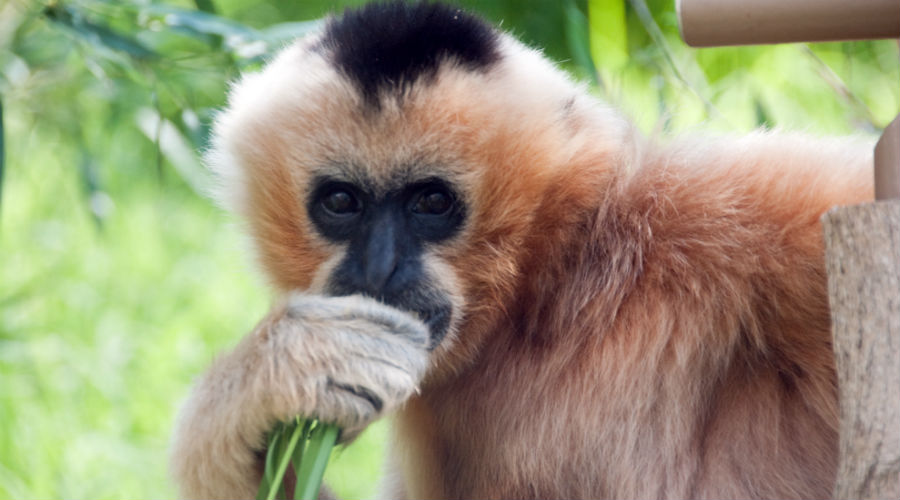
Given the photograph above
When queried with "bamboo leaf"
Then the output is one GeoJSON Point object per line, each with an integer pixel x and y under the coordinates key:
{"type": "Point", "coordinates": [202, 22]}
{"type": "Point", "coordinates": [284, 32]}
{"type": "Point", "coordinates": [762, 116]}
{"type": "Point", "coordinates": [97, 34]}
{"type": "Point", "coordinates": [608, 33]}
{"type": "Point", "coordinates": [241, 40]}
{"type": "Point", "coordinates": [99, 203]}
{"type": "Point", "coordinates": [2, 150]}
{"type": "Point", "coordinates": [698, 85]}
{"type": "Point", "coordinates": [175, 147]}
{"type": "Point", "coordinates": [578, 38]}
{"type": "Point", "coordinates": [205, 6]}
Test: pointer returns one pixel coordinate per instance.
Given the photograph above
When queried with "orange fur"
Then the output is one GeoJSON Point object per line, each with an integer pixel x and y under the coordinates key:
{"type": "Point", "coordinates": [671, 342]}
{"type": "Point", "coordinates": [633, 318]}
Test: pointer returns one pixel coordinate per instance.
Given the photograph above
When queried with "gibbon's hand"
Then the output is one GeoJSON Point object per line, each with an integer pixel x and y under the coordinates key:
{"type": "Point", "coordinates": [343, 360]}
{"type": "Point", "coordinates": [352, 359]}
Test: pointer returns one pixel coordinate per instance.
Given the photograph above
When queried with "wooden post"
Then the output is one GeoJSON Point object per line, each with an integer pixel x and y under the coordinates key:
{"type": "Point", "coordinates": [863, 264]}
{"type": "Point", "coordinates": [862, 258]}
{"type": "Point", "coordinates": [862, 243]}
{"type": "Point", "coordinates": [887, 162]}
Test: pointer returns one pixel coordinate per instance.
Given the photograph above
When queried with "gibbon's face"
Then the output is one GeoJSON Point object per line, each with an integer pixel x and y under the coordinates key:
{"type": "Point", "coordinates": [400, 153]}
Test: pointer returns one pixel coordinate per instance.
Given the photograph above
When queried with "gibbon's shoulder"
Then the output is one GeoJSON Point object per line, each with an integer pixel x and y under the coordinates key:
{"type": "Point", "coordinates": [781, 167]}
{"type": "Point", "coordinates": [741, 208]}
{"type": "Point", "coordinates": [391, 45]}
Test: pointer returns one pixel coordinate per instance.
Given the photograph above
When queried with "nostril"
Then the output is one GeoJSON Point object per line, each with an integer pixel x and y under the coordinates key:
{"type": "Point", "coordinates": [381, 261]}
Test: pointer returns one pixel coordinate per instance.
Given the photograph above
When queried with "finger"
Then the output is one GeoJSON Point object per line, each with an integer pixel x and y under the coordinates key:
{"type": "Point", "coordinates": [357, 313]}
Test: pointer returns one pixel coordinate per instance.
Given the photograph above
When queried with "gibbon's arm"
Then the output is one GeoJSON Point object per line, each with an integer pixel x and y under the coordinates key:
{"type": "Point", "coordinates": [346, 360]}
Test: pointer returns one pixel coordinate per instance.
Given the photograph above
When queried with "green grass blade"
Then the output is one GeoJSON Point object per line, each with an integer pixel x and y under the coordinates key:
{"type": "Point", "coordinates": [304, 426]}
{"type": "Point", "coordinates": [272, 452]}
{"type": "Point", "coordinates": [284, 457]}
{"type": "Point", "coordinates": [268, 472]}
{"type": "Point", "coordinates": [306, 444]}
{"type": "Point", "coordinates": [263, 490]}
{"type": "Point", "coordinates": [300, 452]}
{"type": "Point", "coordinates": [315, 459]}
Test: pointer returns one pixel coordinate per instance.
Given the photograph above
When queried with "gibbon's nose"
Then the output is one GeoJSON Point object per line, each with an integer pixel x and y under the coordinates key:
{"type": "Point", "coordinates": [380, 257]}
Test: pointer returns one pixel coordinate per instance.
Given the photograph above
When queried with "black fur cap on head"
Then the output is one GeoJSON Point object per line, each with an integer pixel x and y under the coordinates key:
{"type": "Point", "coordinates": [390, 45]}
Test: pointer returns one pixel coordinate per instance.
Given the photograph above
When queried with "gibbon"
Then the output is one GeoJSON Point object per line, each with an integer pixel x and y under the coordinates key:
{"type": "Point", "coordinates": [549, 303]}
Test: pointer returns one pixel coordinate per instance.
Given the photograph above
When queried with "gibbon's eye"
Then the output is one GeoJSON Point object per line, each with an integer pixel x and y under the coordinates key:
{"type": "Point", "coordinates": [433, 201]}
{"type": "Point", "coordinates": [337, 207]}
{"type": "Point", "coordinates": [435, 209]}
{"type": "Point", "coordinates": [341, 202]}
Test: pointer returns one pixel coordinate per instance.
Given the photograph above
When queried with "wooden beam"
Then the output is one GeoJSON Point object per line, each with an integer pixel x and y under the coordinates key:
{"type": "Point", "coordinates": [706, 23]}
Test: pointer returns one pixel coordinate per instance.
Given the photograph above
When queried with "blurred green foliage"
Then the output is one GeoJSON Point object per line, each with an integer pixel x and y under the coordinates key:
{"type": "Point", "coordinates": [120, 281]}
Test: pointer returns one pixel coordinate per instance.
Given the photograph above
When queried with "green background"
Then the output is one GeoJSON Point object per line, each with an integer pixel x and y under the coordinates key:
{"type": "Point", "coordinates": [120, 280]}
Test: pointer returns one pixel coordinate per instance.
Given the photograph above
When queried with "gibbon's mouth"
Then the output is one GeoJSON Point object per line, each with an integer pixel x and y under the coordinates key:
{"type": "Point", "coordinates": [432, 308]}
{"type": "Point", "coordinates": [436, 317]}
